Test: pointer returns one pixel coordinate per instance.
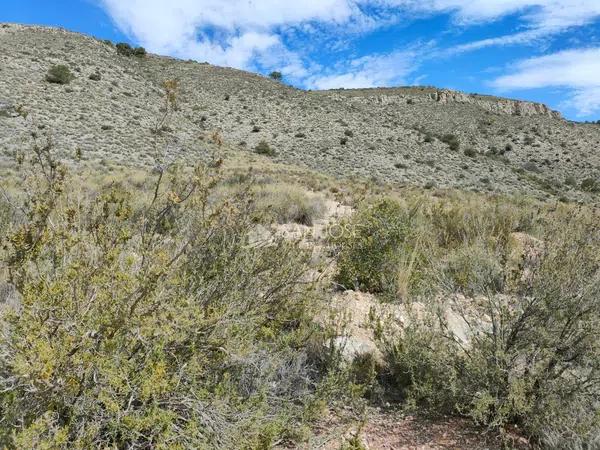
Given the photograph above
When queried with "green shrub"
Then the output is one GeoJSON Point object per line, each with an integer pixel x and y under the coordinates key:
{"type": "Point", "coordinates": [263, 148]}
{"type": "Point", "coordinates": [275, 75]}
{"type": "Point", "coordinates": [369, 246]}
{"type": "Point", "coordinates": [470, 152]}
{"type": "Point", "coordinates": [146, 320]}
{"type": "Point", "coordinates": [140, 52]}
{"type": "Point", "coordinates": [59, 74]}
{"type": "Point", "coordinates": [125, 49]}
{"type": "Point", "coordinates": [530, 358]}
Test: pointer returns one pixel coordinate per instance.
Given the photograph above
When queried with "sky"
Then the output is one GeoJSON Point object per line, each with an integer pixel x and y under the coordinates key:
{"type": "Point", "coordinates": [539, 50]}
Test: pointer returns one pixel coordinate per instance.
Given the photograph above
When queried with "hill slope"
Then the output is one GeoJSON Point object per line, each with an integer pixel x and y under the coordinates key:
{"type": "Point", "coordinates": [392, 135]}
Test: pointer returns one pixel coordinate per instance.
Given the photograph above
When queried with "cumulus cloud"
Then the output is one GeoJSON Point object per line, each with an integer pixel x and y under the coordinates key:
{"type": "Point", "coordinates": [285, 35]}
{"type": "Point", "coordinates": [576, 70]}
{"type": "Point", "coordinates": [228, 32]}
{"type": "Point", "coordinates": [369, 71]}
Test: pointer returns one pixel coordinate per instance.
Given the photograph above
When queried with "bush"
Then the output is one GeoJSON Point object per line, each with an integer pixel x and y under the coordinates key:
{"type": "Point", "coordinates": [147, 320]}
{"type": "Point", "coordinates": [590, 185]}
{"type": "Point", "coordinates": [470, 152]}
{"type": "Point", "coordinates": [530, 357]}
{"type": "Point", "coordinates": [125, 49]}
{"type": "Point", "coordinates": [369, 246]}
{"type": "Point", "coordinates": [452, 142]}
{"type": "Point", "coordinates": [277, 76]}
{"type": "Point", "coordinates": [263, 148]}
{"type": "Point", "coordinates": [59, 74]}
{"type": "Point", "coordinates": [140, 52]}
{"type": "Point", "coordinates": [289, 204]}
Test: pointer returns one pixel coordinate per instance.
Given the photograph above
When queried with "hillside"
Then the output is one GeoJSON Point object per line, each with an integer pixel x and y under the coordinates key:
{"type": "Point", "coordinates": [200, 257]}
{"type": "Point", "coordinates": [389, 135]}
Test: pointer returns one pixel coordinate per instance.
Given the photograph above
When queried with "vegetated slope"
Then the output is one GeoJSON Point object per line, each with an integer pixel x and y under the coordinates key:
{"type": "Point", "coordinates": [419, 136]}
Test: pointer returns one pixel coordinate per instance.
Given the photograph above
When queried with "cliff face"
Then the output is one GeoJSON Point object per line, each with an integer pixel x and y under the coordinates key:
{"type": "Point", "coordinates": [495, 105]}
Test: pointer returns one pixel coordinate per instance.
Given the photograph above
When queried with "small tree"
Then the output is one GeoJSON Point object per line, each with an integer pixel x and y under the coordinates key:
{"type": "Point", "coordinates": [59, 74]}
{"type": "Point", "coordinates": [275, 75]}
{"type": "Point", "coordinates": [124, 49]}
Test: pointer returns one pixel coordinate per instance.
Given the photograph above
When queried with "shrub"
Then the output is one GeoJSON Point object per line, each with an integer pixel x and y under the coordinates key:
{"type": "Point", "coordinates": [289, 204]}
{"type": "Point", "coordinates": [526, 358]}
{"type": "Point", "coordinates": [470, 152]}
{"type": "Point", "coordinates": [95, 76]}
{"type": "Point", "coordinates": [369, 246]}
{"type": "Point", "coordinates": [59, 74]}
{"type": "Point", "coordinates": [147, 320]}
{"type": "Point", "coordinates": [590, 185]}
{"type": "Point", "coordinates": [124, 49]}
{"type": "Point", "coordinates": [452, 142]}
{"type": "Point", "coordinates": [140, 52]}
{"type": "Point", "coordinates": [263, 148]}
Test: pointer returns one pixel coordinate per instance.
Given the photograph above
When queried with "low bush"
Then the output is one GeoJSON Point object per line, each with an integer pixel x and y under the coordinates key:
{"type": "Point", "coordinates": [452, 141]}
{"type": "Point", "coordinates": [263, 148]}
{"type": "Point", "coordinates": [590, 185]}
{"type": "Point", "coordinates": [470, 152]}
{"type": "Point", "coordinates": [282, 203]}
{"type": "Point", "coordinates": [369, 246]}
{"type": "Point", "coordinates": [59, 74]}
{"type": "Point", "coordinates": [524, 356]}
{"type": "Point", "coordinates": [125, 49]}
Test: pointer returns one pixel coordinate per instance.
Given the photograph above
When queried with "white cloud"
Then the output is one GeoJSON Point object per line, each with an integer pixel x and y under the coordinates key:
{"type": "Point", "coordinates": [576, 70]}
{"type": "Point", "coordinates": [284, 35]}
{"type": "Point", "coordinates": [242, 28]}
{"type": "Point", "coordinates": [543, 18]}
{"type": "Point", "coordinates": [369, 71]}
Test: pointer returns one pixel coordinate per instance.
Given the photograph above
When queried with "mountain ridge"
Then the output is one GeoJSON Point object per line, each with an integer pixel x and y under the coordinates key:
{"type": "Point", "coordinates": [419, 136]}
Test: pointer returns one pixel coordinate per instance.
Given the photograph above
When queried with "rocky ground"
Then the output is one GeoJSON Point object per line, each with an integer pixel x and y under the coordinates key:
{"type": "Point", "coordinates": [389, 135]}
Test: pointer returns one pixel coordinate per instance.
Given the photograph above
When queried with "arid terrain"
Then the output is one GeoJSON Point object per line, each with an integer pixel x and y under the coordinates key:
{"type": "Point", "coordinates": [388, 135]}
{"type": "Point", "coordinates": [194, 256]}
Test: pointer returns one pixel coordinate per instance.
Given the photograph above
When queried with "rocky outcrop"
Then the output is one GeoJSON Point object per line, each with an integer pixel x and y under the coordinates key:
{"type": "Point", "coordinates": [445, 96]}
{"type": "Point", "coordinates": [496, 105]}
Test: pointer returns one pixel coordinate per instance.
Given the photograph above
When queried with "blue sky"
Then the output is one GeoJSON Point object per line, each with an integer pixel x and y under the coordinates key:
{"type": "Point", "coordinates": [540, 50]}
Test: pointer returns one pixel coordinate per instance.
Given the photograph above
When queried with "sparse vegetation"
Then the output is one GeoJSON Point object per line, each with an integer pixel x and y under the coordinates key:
{"type": "Point", "coordinates": [59, 74]}
{"type": "Point", "coordinates": [288, 204]}
{"type": "Point", "coordinates": [125, 49]}
{"type": "Point", "coordinates": [263, 148]}
{"type": "Point", "coordinates": [500, 324]}
{"type": "Point", "coordinates": [452, 141]}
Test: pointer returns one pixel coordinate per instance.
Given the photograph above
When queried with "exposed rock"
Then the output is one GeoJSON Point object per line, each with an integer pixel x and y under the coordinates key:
{"type": "Point", "coordinates": [9, 297]}
{"type": "Point", "coordinates": [7, 110]}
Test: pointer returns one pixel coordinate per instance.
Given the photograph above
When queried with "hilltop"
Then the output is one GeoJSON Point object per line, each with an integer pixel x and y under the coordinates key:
{"type": "Point", "coordinates": [421, 136]}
